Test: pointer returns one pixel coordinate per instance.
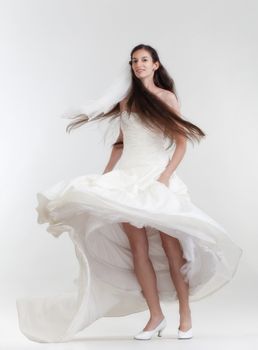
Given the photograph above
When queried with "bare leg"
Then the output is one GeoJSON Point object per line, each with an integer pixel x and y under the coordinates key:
{"type": "Point", "coordinates": [145, 272]}
{"type": "Point", "coordinates": [174, 254]}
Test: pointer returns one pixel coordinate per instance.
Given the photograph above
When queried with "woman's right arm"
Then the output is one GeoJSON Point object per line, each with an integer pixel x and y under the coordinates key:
{"type": "Point", "coordinates": [117, 150]}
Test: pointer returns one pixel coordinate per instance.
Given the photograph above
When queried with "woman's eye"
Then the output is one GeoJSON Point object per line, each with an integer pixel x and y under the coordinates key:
{"type": "Point", "coordinates": [145, 59]}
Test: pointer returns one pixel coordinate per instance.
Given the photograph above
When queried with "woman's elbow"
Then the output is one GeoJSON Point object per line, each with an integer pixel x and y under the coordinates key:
{"type": "Point", "coordinates": [181, 141]}
{"type": "Point", "coordinates": [118, 145]}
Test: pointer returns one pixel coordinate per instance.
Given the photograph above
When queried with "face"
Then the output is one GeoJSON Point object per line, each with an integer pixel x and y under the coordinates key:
{"type": "Point", "coordinates": [142, 64]}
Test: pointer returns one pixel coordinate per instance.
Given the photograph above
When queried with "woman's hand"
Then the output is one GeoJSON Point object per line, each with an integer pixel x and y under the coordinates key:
{"type": "Point", "coordinates": [163, 178]}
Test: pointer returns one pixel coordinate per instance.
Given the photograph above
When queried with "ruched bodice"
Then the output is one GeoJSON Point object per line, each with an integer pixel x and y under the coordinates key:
{"type": "Point", "coordinates": [142, 146]}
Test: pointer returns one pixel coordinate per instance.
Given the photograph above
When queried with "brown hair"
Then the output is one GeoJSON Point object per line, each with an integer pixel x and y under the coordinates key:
{"type": "Point", "coordinates": [152, 111]}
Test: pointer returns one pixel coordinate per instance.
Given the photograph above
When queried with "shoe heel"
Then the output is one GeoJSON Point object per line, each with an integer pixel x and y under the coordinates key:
{"type": "Point", "coordinates": [160, 332]}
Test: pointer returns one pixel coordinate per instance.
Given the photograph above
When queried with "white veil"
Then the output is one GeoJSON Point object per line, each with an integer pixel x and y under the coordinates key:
{"type": "Point", "coordinates": [113, 94]}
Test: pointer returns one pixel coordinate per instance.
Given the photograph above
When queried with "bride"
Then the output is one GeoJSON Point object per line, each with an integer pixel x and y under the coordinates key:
{"type": "Point", "coordinates": [145, 66]}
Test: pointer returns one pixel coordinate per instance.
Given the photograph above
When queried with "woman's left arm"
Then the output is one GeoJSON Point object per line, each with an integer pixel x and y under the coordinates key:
{"type": "Point", "coordinates": [181, 144]}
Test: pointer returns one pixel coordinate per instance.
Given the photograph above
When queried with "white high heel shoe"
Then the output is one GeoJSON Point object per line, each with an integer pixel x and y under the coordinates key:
{"type": "Point", "coordinates": [185, 334]}
{"type": "Point", "coordinates": [147, 335]}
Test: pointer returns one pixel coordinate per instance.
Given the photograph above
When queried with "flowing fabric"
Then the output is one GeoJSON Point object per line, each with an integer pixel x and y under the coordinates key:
{"type": "Point", "coordinates": [91, 209]}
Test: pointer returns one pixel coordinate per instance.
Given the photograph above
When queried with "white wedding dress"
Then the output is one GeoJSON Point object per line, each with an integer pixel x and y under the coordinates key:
{"type": "Point", "coordinates": [91, 208]}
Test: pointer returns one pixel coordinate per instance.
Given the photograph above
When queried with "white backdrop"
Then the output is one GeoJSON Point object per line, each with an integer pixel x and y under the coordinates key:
{"type": "Point", "coordinates": [54, 55]}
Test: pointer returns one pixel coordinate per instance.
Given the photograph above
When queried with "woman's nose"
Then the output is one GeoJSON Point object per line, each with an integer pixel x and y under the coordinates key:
{"type": "Point", "coordinates": [139, 66]}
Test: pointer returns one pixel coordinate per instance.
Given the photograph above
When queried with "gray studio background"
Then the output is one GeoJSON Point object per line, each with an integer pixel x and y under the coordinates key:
{"type": "Point", "coordinates": [54, 56]}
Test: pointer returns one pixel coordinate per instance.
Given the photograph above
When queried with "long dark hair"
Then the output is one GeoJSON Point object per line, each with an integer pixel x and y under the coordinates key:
{"type": "Point", "coordinates": [152, 111]}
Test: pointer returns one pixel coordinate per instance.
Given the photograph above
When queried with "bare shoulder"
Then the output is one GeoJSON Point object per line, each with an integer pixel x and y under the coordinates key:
{"type": "Point", "coordinates": [170, 98]}
{"type": "Point", "coordinates": [167, 95]}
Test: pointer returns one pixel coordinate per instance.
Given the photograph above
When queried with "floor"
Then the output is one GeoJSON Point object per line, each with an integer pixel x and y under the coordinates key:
{"type": "Point", "coordinates": [215, 327]}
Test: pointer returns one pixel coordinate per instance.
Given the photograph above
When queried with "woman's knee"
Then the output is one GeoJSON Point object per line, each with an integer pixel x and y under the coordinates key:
{"type": "Point", "coordinates": [172, 247]}
{"type": "Point", "coordinates": [138, 240]}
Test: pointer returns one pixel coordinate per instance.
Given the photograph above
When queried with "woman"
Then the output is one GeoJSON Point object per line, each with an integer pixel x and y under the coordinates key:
{"type": "Point", "coordinates": [150, 242]}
